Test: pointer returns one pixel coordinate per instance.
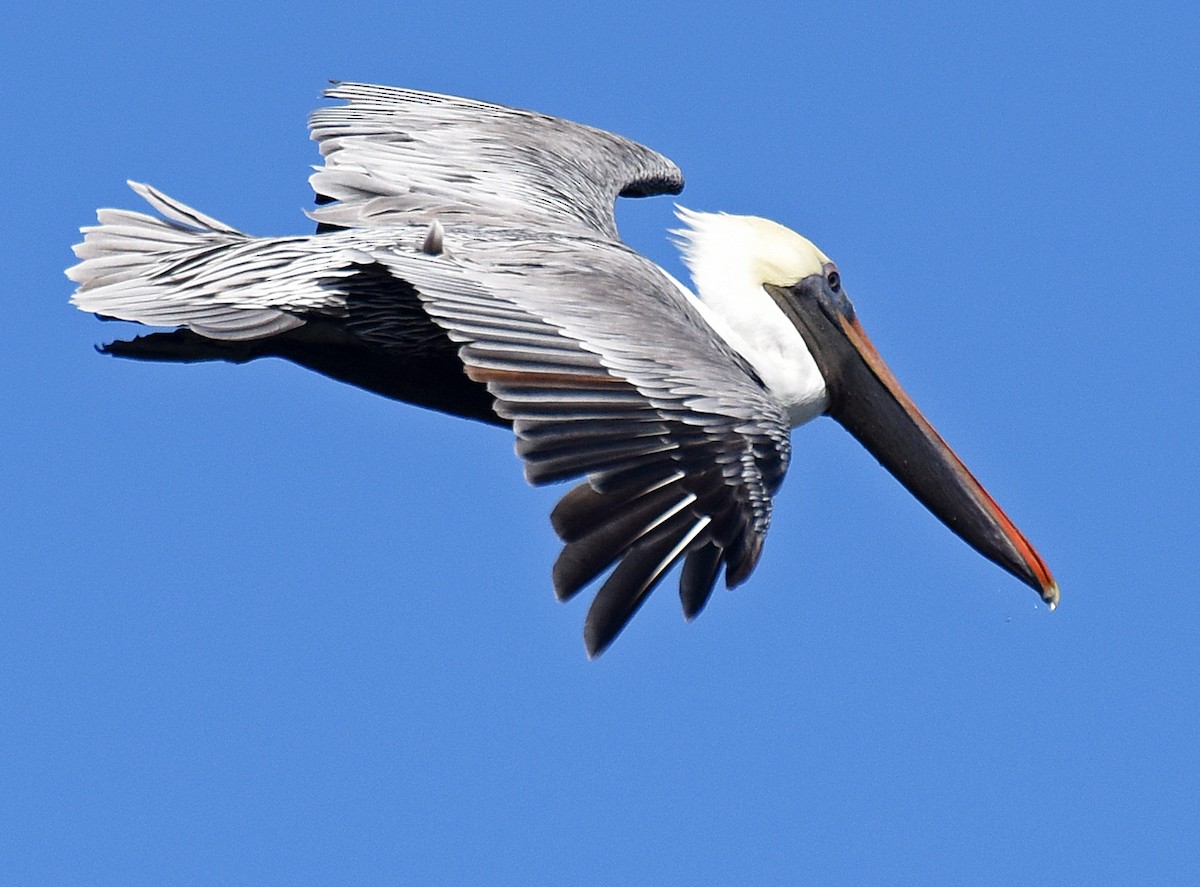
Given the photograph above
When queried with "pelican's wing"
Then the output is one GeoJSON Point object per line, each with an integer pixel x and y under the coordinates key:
{"type": "Point", "coordinates": [399, 155]}
{"type": "Point", "coordinates": [607, 371]}
{"type": "Point", "coordinates": [601, 363]}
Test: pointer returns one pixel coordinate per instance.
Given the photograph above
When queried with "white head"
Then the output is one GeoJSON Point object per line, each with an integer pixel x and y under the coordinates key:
{"type": "Point", "coordinates": [726, 252]}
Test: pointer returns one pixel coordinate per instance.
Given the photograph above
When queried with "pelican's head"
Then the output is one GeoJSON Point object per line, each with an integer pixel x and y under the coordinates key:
{"type": "Point", "coordinates": [791, 318]}
{"type": "Point", "coordinates": [725, 251]}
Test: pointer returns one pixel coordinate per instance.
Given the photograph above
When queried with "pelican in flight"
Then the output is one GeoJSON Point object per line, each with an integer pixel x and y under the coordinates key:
{"type": "Point", "coordinates": [467, 260]}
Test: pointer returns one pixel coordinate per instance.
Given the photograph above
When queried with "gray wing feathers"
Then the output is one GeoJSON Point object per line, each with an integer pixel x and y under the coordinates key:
{"type": "Point", "coordinates": [402, 155]}
{"type": "Point", "coordinates": [607, 372]}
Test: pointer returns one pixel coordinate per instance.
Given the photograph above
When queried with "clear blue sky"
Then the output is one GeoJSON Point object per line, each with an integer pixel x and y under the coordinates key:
{"type": "Point", "coordinates": [257, 627]}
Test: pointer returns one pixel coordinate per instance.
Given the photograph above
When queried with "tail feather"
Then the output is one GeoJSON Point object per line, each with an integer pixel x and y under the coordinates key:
{"type": "Point", "coordinates": [181, 212]}
{"type": "Point", "coordinates": [181, 270]}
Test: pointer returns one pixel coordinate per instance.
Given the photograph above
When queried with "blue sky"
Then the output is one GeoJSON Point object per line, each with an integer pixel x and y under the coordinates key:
{"type": "Point", "coordinates": [257, 627]}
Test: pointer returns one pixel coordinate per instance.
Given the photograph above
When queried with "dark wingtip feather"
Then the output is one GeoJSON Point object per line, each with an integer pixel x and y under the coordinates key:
{"type": "Point", "coordinates": [572, 516]}
{"type": "Point", "coordinates": [602, 527]}
{"type": "Point", "coordinates": [742, 561]}
{"type": "Point", "coordinates": [628, 587]}
{"type": "Point", "coordinates": [700, 571]}
{"type": "Point", "coordinates": [617, 600]}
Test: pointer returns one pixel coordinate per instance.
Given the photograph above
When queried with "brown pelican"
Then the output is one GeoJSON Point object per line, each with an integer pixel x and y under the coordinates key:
{"type": "Point", "coordinates": [466, 259]}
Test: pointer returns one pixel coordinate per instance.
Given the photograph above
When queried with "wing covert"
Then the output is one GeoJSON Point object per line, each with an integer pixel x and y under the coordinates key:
{"type": "Point", "coordinates": [400, 155]}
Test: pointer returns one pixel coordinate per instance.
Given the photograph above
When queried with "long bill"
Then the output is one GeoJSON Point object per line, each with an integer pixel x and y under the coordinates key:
{"type": "Point", "coordinates": [868, 401]}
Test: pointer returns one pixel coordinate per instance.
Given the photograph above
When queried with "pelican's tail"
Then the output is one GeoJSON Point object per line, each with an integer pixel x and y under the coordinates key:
{"type": "Point", "coordinates": [323, 301]}
{"type": "Point", "coordinates": [184, 269]}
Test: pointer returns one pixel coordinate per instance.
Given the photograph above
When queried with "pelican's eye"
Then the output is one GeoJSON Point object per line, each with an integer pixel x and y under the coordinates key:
{"type": "Point", "coordinates": [832, 277]}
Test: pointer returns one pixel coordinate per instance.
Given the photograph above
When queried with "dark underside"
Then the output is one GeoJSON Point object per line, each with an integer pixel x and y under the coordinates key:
{"type": "Point", "coordinates": [432, 377]}
{"type": "Point", "coordinates": [435, 380]}
{"type": "Point", "coordinates": [383, 342]}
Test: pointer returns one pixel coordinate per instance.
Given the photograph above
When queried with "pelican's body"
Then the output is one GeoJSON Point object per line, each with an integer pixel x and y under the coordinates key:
{"type": "Point", "coordinates": [467, 260]}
